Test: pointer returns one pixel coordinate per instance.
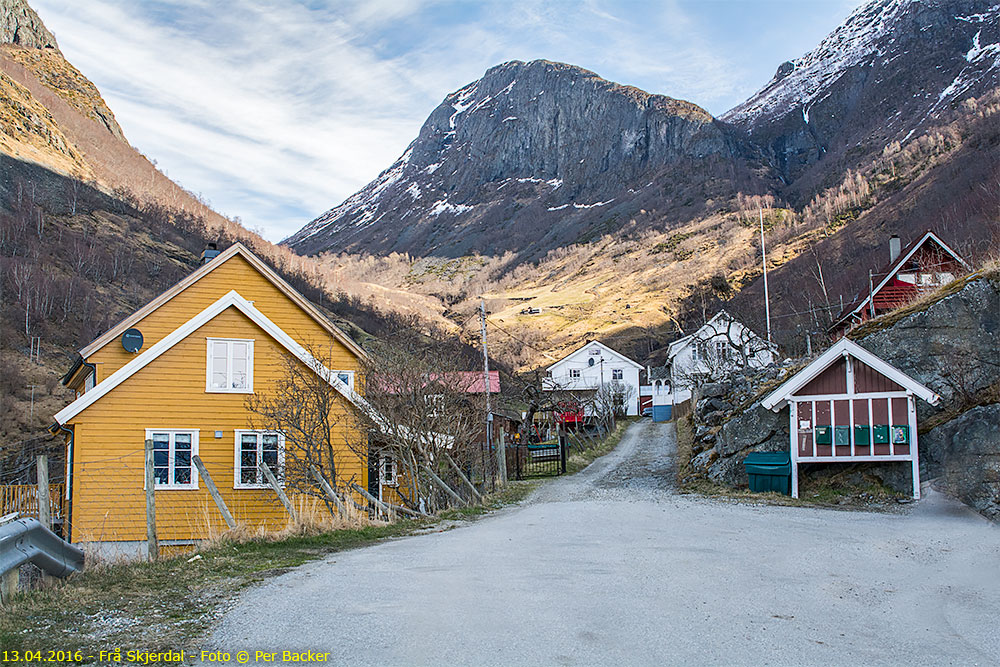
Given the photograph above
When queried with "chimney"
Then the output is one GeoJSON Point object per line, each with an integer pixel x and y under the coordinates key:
{"type": "Point", "coordinates": [894, 247]}
{"type": "Point", "coordinates": [209, 253]}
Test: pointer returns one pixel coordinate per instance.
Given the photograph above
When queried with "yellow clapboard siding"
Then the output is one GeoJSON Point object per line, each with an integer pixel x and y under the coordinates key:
{"type": "Point", "coordinates": [108, 500]}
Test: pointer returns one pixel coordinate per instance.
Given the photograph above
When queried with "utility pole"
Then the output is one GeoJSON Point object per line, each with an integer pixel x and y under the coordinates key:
{"type": "Point", "coordinates": [501, 448]}
{"type": "Point", "coordinates": [763, 261]}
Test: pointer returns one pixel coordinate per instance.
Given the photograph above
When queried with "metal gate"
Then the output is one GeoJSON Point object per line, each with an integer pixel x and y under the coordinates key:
{"type": "Point", "coordinates": [537, 460]}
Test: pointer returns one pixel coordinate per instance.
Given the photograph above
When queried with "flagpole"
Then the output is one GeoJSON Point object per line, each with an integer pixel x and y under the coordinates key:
{"type": "Point", "coordinates": [763, 261]}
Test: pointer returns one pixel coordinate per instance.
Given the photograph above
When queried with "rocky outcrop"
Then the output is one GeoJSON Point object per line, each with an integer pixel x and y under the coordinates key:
{"type": "Point", "coordinates": [20, 25]}
{"type": "Point", "coordinates": [965, 452]}
{"type": "Point", "coordinates": [951, 345]}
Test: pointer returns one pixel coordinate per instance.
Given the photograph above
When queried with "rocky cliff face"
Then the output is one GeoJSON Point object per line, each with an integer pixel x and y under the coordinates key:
{"type": "Point", "coordinates": [505, 162]}
{"type": "Point", "coordinates": [20, 25]}
{"type": "Point", "coordinates": [887, 70]}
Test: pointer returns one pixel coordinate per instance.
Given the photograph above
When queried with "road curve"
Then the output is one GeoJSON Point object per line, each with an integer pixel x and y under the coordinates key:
{"type": "Point", "coordinates": [609, 566]}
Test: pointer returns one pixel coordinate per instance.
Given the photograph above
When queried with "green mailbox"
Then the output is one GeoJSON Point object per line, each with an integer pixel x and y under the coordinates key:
{"type": "Point", "coordinates": [824, 435]}
{"type": "Point", "coordinates": [881, 434]}
{"type": "Point", "coordinates": [842, 436]}
{"type": "Point", "coordinates": [861, 435]}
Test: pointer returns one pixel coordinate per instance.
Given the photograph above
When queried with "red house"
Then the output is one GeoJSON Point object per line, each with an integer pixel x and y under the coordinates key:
{"type": "Point", "coordinates": [920, 267]}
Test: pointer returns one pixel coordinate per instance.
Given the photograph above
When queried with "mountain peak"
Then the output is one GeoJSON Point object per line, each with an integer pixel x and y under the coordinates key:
{"type": "Point", "coordinates": [546, 131]}
{"type": "Point", "coordinates": [20, 25]}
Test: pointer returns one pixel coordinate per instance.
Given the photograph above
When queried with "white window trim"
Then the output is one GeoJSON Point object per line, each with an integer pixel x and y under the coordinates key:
{"type": "Point", "coordinates": [237, 468]}
{"type": "Point", "coordinates": [381, 472]}
{"type": "Point", "coordinates": [619, 371]}
{"type": "Point", "coordinates": [350, 379]}
{"type": "Point", "coordinates": [577, 372]}
{"type": "Point", "coordinates": [194, 452]}
{"type": "Point", "coordinates": [229, 366]}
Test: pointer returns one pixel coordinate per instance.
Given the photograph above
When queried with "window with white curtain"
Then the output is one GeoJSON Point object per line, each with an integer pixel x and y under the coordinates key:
{"type": "Point", "coordinates": [230, 366]}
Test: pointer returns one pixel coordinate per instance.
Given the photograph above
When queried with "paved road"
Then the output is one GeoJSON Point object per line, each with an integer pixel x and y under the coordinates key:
{"type": "Point", "coordinates": [610, 567]}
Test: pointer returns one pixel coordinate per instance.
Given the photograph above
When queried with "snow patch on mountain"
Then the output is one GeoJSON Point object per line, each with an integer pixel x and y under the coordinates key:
{"type": "Point", "coordinates": [798, 83]}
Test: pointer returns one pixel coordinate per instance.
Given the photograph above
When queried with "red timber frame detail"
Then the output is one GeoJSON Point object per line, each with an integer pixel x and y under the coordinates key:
{"type": "Point", "coordinates": [850, 406]}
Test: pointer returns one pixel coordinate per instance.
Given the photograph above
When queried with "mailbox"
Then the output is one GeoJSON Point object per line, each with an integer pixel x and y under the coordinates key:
{"type": "Point", "coordinates": [824, 435]}
{"type": "Point", "coordinates": [881, 434]}
{"type": "Point", "coordinates": [861, 435]}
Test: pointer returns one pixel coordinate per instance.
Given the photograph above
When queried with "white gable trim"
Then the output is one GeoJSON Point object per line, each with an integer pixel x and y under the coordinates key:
{"type": "Point", "coordinates": [899, 263]}
{"type": "Point", "coordinates": [603, 347]}
{"type": "Point", "coordinates": [844, 347]}
{"type": "Point", "coordinates": [201, 272]}
{"type": "Point", "coordinates": [233, 299]}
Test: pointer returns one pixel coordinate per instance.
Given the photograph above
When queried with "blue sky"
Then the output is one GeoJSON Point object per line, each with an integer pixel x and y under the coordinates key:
{"type": "Point", "coordinates": [276, 111]}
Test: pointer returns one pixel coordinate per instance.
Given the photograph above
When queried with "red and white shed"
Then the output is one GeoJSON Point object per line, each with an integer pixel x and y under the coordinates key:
{"type": "Point", "coordinates": [850, 406]}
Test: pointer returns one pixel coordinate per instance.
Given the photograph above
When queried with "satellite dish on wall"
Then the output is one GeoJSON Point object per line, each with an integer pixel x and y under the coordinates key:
{"type": "Point", "coordinates": [132, 340]}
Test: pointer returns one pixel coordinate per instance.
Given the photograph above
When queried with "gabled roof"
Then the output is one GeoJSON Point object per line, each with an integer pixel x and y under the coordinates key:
{"type": "Point", "coordinates": [231, 299]}
{"type": "Point", "coordinates": [202, 271]}
{"type": "Point", "coordinates": [889, 270]}
{"type": "Point", "coordinates": [603, 347]}
{"type": "Point", "coordinates": [682, 342]}
{"type": "Point", "coordinates": [844, 347]}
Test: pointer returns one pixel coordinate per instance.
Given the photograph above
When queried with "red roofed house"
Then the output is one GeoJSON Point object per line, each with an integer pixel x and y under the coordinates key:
{"type": "Point", "coordinates": [921, 267]}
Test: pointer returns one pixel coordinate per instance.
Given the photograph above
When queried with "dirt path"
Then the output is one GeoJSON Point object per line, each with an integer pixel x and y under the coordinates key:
{"type": "Point", "coordinates": [610, 567]}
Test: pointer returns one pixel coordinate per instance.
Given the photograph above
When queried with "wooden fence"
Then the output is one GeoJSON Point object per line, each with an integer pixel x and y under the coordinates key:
{"type": "Point", "coordinates": [682, 409]}
{"type": "Point", "coordinates": [23, 499]}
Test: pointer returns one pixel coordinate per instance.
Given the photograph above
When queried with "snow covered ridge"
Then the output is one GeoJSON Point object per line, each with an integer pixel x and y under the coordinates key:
{"type": "Point", "coordinates": [851, 43]}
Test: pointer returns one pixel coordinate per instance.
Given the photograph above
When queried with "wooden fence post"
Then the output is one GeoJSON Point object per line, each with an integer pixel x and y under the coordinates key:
{"type": "Point", "coordinates": [152, 546]}
{"type": "Point", "coordinates": [9, 583]}
{"type": "Point", "coordinates": [273, 481]}
{"type": "Point", "coordinates": [502, 457]}
{"type": "Point", "coordinates": [328, 490]}
{"type": "Point", "coordinates": [44, 507]}
{"type": "Point", "coordinates": [214, 492]}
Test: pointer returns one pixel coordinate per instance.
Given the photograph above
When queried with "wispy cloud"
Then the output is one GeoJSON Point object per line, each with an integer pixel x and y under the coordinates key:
{"type": "Point", "coordinates": [276, 111]}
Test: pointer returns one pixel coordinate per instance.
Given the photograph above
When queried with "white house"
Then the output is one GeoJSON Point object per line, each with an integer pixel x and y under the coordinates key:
{"type": "Point", "coordinates": [591, 367]}
{"type": "Point", "coordinates": [722, 345]}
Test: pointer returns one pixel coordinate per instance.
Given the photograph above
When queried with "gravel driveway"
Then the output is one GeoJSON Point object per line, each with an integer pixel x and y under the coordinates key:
{"type": "Point", "coordinates": [610, 567]}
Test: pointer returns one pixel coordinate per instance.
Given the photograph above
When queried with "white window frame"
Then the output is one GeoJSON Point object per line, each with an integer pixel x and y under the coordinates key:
{"type": "Point", "coordinates": [382, 479]}
{"type": "Point", "coordinates": [229, 366]}
{"type": "Point", "coordinates": [173, 432]}
{"type": "Point", "coordinates": [237, 463]}
{"type": "Point", "coordinates": [617, 374]}
{"type": "Point", "coordinates": [89, 382]}
{"type": "Point", "coordinates": [575, 373]}
{"type": "Point", "coordinates": [350, 377]}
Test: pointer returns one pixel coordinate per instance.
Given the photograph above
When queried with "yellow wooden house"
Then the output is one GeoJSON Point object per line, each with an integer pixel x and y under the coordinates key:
{"type": "Point", "coordinates": [178, 372]}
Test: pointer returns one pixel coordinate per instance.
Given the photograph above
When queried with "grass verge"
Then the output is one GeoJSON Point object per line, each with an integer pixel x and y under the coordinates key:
{"type": "Point", "coordinates": [582, 458]}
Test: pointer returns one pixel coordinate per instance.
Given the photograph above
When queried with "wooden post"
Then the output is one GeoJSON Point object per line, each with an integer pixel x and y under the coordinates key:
{"type": "Point", "coordinates": [328, 490]}
{"type": "Point", "coordinates": [273, 481]}
{"type": "Point", "coordinates": [502, 457]}
{"type": "Point", "coordinates": [9, 583]}
{"type": "Point", "coordinates": [44, 508]}
{"type": "Point", "coordinates": [444, 487]}
{"type": "Point", "coordinates": [384, 506]}
{"type": "Point", "coordinates": [152, 546]}
{"type": "Point", "coordinates": [214, 492]}
{"type": "Point", "coordinates": [465, 479]}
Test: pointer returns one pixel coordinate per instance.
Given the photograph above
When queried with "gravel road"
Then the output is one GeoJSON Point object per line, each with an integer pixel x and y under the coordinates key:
{"type": "Point", "coordinates": [611, 567]}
